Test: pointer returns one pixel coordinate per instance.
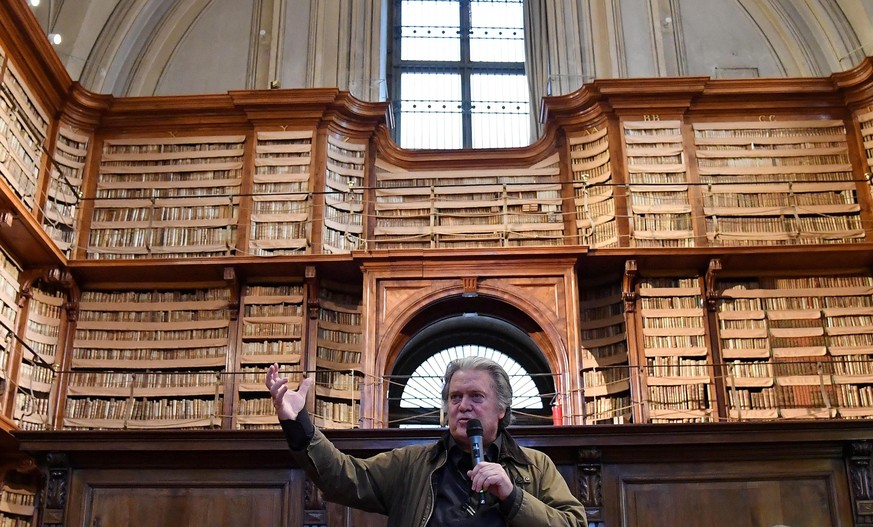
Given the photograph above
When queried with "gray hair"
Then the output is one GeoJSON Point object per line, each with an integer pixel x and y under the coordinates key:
{"type": "Point", "coordinates": [499, 381]}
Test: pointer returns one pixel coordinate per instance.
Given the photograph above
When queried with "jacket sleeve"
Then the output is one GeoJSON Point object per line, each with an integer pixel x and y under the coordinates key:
{"type": "Point", "coordinates": [548, 502]}
{"type": "Point", "coordinates": [345, 479]}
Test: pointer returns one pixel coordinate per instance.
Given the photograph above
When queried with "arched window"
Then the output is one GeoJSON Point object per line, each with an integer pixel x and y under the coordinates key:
{"type": "Point", "coordinates": [416, 379]}
{"type": "Point", "coordinates": [425, 384]}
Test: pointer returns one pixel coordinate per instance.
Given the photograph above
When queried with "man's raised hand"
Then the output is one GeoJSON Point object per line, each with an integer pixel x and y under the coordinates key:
{"type": "Point", "coordinates": [288, 403]}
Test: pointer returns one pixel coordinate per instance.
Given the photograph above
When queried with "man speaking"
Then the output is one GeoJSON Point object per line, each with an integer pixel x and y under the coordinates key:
{"type": "Point", "coordinates": [438, 485]}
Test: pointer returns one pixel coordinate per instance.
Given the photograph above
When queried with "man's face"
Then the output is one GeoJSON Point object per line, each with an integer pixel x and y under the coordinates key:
{"type": "Point", "coordinates": [471, 396]}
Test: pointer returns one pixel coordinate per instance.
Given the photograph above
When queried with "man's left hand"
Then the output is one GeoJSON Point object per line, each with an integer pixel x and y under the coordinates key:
{"type": "Point", "coordinates": [492, 478]}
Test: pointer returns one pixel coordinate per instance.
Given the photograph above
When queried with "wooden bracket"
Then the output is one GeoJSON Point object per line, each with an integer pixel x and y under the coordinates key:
{"type": "Point", "coordinates": [471, 286]}
{"type": "Point", "coordinates": [711, 292]}
{"type": "Point", "coordinates": [230, 277]}
{"type": "Point", "coordinates": [312, 302]}
{"type": "Point", "coordinates": [628, 286]}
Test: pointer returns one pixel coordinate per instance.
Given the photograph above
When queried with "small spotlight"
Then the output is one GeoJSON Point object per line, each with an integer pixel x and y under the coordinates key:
{"type": "Point", "coordinates": [55, 38]}
{"type": "Point", "coordinates": [34, 3]}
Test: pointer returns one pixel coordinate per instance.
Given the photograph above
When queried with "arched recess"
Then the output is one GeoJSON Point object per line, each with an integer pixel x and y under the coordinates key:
{"type": "Point", "coordinates": [122, 37]}
{"type": "Point", "coordinates": [485, 322]}
{"type": "Point", "coordinates": [500, 302]}
{"type": "Point", "coordinates": [798, 34]}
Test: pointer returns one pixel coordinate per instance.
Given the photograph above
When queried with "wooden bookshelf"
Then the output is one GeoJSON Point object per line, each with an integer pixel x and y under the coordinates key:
{"type": "Point", "coordinates": [65, 187]}
{"type": "Point", "coordinates": [605, 367]}
{"type": "Point", "coordinates": [40, 355]}
{"type": "Point", "coordinates": [9, 288]}
{"type": "Point", "coordinates": [344, 184]}
{"type": "Point", "coordinates": [657, 172]}
{"type": "Point", "coordinates": [272, 332]}
{"type": "Point", "coordinates": [281, 195]}
{"type": "Point", "coordinates": [149, 358]}
{"type": "Point", "coordinates": [23, 129]}
{"type": "Point", "coordinates": [777, 182]}
{"type": "Point", "coordinates": [338, 371]}
{"type": "Point", "coordinates": [593, 187]}
{"type": "Point", "coordinates": [445, 209]}
{"type": "Point", "coordinates": [677, 366]}
{"type": "Point", "coordinates": [167, 197]}
{"type": "Point", "coordinates": [865, 122]}
{"type": "Point", "coordinates": [17, 503]}
{"type": "Point", "coordinates": [807, 345]}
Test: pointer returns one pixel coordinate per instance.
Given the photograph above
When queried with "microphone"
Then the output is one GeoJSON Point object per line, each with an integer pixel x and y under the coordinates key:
{"type": "Point", "coordinates": [474, 434]}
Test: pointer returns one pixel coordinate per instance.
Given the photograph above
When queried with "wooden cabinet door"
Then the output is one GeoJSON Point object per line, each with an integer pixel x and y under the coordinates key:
{"type": "Point", "coordinates": [185, 498]}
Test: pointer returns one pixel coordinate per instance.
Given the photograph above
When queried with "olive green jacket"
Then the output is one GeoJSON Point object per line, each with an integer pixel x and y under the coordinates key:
{"type": "Point", "coordinates": [399, 482]}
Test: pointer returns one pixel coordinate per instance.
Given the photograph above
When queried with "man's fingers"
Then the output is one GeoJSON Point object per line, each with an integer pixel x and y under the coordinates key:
{"type": "Point", "coordinates": [304, 386]}
{"type": "Point", "coordinates": [280, 393]}
{"type": "Point", "coordinates": [276, 386]}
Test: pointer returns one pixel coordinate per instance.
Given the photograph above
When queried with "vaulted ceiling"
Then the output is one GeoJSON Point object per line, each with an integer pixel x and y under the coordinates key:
{"type": "Point", "coordinates": [163, 47]}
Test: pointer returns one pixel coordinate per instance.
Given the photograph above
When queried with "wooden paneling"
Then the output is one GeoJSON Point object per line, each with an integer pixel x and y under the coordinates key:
{"type": "Point", "coordinates": [157, 498]}
{"type": "Point", "coordinates": [791, 493]}
{"type": "Point", "coordinates": [792, 473]}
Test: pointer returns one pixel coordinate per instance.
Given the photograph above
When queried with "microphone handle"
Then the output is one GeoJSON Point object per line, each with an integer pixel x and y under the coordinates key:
{"type": "Point", "coordinates": [476, 451]}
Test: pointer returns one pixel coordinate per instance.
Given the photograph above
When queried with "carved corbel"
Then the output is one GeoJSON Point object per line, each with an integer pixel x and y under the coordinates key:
{"type": "Point", "coordinates": [232, 281]}
{"type": "Point", "coordinates": [312, 303]}
{"type": "Point", "coordinates": [56, 277]}
{"type": "Point", "coordinates": [589, 470]}
{"type": "Point", "coordinates": [861, 478]}
{"type": "Point", "coordinates": [471, 287]}
{"type": "Point", "coordinates": [314, 506]}
{"type": "Point", "coordinates": [712, 296]}
{"type": "Point", "coordinates": [57, 487]}
{"type": "Point", "coordinates": [63, 280]}
{"type": "Point", "coordinates": [628, 286]}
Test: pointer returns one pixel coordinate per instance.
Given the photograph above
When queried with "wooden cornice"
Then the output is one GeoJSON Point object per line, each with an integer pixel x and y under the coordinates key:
{"type": "Point", "coordinates": [85, 109]}
{"type": "Point", "coordinates": [175, 113]}
{"type": "Point", "coordinates": [856, 84]}
{"type": "Point", "coordinates": [582, 105]}
{"type": "Point", "coordinates": [309, 107]}
{"type": "Point", "coordinates": [736, 260]}
{"type": "Point", "coordinates": [129, 273]}
{"type": "Point", "coordinates": [619, 443]}
{"type": "Point", "coordinates": [650, 95]}
{"type": "Point", "coordinates": [449, 262]}
{"type": "Point", "coordinates": [426, 159]}
{"type": "Point", "coordinates": [351, 117]}
{"type": "Point", "coordinates": [699, 95]}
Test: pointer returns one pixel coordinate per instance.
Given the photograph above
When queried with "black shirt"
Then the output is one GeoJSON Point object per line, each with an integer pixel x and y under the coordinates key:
{"type": "Point", "coordinates": [456, 505]}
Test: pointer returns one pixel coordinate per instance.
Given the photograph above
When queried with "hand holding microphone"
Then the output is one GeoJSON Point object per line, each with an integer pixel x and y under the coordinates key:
{"type": "Point", "coordinates": [474, 434]}
{"type": "Point", "coordinates": [485, 475]}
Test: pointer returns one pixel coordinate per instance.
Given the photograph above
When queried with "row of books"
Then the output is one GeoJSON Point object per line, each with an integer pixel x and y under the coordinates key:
{"type": "Point", "coordinates": [672, 366]}
{"type": "Point", "coordinates": [338, 380]}
{"type": "Point", "coordinates": [291, 346]}
{"type": "Point", "coordinates": [616, 409]}
{"type": "Point", "coordinates": [272, 330]}
{"type": "Point", "coordinates": [145, 379]}
{"type": "Point", "coordinates": [141, 409]}
{"type": "Point", "coordinates": [193, 335]}
{"type": "Point", "coordinates": [144, 353]}
{"type": "Point", "coordinates": [683, 397]}
{"type": "Point", "coordinates": [338, 411]}
{"type": "Point", "coordinates": [776, 397]}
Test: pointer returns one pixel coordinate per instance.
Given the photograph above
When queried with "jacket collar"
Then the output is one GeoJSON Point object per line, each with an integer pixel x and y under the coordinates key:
{"type": "Point", "coordinates": [508, 450]}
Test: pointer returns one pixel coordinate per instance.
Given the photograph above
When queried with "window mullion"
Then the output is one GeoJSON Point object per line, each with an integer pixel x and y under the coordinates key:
{"type": "Point", "coordinates": [466, 72]}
